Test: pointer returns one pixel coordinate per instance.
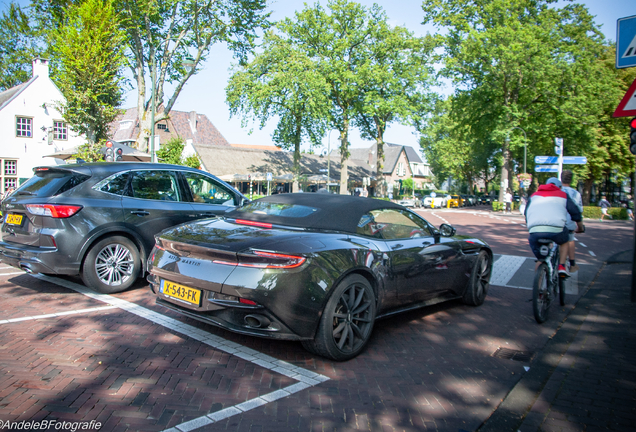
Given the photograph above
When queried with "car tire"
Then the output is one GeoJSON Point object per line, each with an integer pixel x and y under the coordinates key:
{"type": "Point", "coordinates": [347, 321]}
{"type": "Point", "coordinates": [111, 265]}
{"type": "Point", "coordinates": [479, 281]}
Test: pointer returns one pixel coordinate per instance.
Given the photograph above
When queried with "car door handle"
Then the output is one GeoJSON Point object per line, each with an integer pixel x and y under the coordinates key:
{"type": "Point", "coordinates": [397, 246]}
{"type": "Point", "coordinates": [140, 212]}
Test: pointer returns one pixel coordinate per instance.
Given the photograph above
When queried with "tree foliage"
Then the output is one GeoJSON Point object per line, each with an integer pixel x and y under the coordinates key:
{"type": "Point", "coordinates": [526, 64]}
{"type": "Point", "coordinates": [17, 47]}
{"type": "Point", "coordinates": [282, 82]}
{"type": "Point", "coordinates": [90, 151]}
{"type": "Point", "coordinates": [87, 47]}
{"type": "Point", "coordinates": [172, 153]}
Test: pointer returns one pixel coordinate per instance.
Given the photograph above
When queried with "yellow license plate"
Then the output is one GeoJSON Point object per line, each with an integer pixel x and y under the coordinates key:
{"type": "Point", "coordinates": [14, 219]}
{"type": "Point", "coordinates": [181, 292]}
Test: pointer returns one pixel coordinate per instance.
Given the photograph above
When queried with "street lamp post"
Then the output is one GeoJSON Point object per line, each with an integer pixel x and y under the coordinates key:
{"type": "Point", "coordinates": [189, 64]}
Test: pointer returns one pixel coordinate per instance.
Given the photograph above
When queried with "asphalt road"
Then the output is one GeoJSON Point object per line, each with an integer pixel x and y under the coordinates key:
{"type": "Point", "coordinates": [71, 355]}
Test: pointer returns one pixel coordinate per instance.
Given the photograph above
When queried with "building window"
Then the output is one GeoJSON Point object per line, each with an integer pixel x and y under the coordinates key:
{"type": "Point", "coordinates": [162, 126]}
{"type": "Point", "coordinates": [9, 174]}
{"type": "Point", "coordinates": [400, 169]}
{"type": "Point", "coordinates": [10, 167]}
{"type": "Point", "coordinates": [60, 130]}
{"type": "Point", "coordinates": [24, 127]}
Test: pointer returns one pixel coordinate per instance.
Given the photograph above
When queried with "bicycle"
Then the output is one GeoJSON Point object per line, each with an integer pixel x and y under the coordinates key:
{"type": "Point", "coordinates": [547, 283]}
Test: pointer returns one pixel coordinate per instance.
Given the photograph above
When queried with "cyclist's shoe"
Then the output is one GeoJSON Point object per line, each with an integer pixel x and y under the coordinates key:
{"type": "Point", "coordinates": [563, 272]}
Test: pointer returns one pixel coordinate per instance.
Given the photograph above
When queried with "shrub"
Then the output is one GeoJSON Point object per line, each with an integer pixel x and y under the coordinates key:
{"type": "Point", "coordinates": [497, 206]}
{"type": "Point", "coordinates": [594, 212]}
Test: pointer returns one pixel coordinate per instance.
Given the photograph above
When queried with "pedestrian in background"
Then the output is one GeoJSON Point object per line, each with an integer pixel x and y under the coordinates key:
{"type": "Point", "coordinates": [604, 204]}
{"type": "Point", "coordinates": [630, 207]}
{"type": "Point", "coordinates": [508, 201]}
{"type": "Point", "coordinates": [522, 204]}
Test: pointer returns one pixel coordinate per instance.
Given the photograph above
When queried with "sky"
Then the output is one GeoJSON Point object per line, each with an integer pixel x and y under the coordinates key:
{"type": "Point", "coordinates": [205, 92]}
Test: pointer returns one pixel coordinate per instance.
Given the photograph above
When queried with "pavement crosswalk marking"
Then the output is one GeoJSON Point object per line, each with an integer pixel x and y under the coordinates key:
{"type": "Point", "coordinates": [56, 315]}
{"type": "Point", "coordinates": [505, 268]}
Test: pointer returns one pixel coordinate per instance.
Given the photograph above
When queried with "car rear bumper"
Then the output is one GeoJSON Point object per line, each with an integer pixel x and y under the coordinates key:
{"type": "Point", "coordinates": [33, 259]}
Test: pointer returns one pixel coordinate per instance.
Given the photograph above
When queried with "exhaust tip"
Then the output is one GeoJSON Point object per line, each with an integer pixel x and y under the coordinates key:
{"type": "Point", "coordinates": [256, 321]}
{"type": "Point", "coordinates": [26, 269]}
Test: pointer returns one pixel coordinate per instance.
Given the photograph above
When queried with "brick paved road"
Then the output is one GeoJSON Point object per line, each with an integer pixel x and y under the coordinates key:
{"type": "Point", "coordinates": [136, 366]}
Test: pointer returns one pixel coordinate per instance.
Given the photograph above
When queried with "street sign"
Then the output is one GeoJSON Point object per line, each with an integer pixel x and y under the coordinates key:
{"type": "Point", "coordinates": [546, 159]}
{"type": "Point", "coordinates": [574, 160]}
{"type": "Point", "coordinates": [546, 168]}
{"type": "Point", "coordinates": [626, 42]}
{"type": "Point", "coordinates": [269, 177]}
{"type": "Point", "coordinates": [627, 106]}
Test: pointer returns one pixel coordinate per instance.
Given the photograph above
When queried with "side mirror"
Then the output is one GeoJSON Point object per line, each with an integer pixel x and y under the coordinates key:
{"type": "Point", "coordinates": [446, 230]}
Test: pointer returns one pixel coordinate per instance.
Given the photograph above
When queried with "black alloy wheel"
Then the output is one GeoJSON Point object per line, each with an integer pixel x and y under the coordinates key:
{"type": "Point", "coordinates": [347, 321]}
{"type": "Point", "coordinates": [112, 265]}
{"type": "Point", "coordinates": [479, 281]}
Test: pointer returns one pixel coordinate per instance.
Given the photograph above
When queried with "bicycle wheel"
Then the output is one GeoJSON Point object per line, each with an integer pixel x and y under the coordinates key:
{"type": "Point", "coordinates": [540, 302]}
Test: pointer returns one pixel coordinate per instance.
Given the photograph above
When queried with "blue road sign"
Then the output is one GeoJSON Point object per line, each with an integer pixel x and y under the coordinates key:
{"type": "Point", "coordinates": [546, 159]}
{"type": "Point", "coordinates": [571, 160]}
{"type": "Point", "coordinates": [626, 42]}
{"type": "Point", "coordinates": [546, 168]}
{"type": "Point", "coordinates": [574, 160]}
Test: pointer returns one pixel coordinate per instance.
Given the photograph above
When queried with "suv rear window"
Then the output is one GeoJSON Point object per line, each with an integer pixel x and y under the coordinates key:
{"type": "Point", "coordinates": [51, 183]}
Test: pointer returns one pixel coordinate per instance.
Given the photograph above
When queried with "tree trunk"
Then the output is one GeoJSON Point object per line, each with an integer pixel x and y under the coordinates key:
{"type": "Point", "coordinates": [344, 155]}
{"type": "Point", "coordinates": [380, 166]}
{"type": "Point", "coordinates": [587, 191]}
{"type": "Point", "coordinates": [505, 168]}
{"type": "Point", "coordinates": [295, 187]}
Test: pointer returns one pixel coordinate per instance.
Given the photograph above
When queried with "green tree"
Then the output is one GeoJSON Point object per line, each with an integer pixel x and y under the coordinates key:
{"type": "Point", "coordinates": [394, 85]}
{"type": "Point", "coordinates": [17, 47]}
{"type": "Point", "coordinates": [90, 151]}
{"type": "Point", "coordinates": [88, 48]}
{"type": "Point", "coordinates": [166, 35]}
{"type": "Point", "coordinates": [339, 43]}
{"type": "Point", "coordinates": [172, 153]}
{"type": "Point", "coordinates": [521, 63]}
{"type": "Point", "coordinates": [282, 82]}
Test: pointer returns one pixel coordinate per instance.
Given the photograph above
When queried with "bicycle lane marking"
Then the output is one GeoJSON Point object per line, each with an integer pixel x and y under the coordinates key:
{"type": "Point", "coordinates": [305, 378]}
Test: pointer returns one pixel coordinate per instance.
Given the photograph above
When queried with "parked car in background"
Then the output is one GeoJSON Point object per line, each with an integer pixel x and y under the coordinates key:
{"type": "Point", "coordinates": [454, 201]}
{"type": "Point", "coordinates": [410, 202]}
{"type": "Point", "coordinates": [435, 202]}
{"type": "Point", "coordinates": [98, 220]}
{"type": "Point", "coordinates": [320, 272]}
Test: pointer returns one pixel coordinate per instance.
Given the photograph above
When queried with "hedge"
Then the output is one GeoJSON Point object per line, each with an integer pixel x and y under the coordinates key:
{"type": "Point", "coordinates": [594, 212]}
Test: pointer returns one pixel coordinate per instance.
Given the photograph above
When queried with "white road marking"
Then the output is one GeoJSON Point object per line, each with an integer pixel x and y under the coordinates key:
{"type": "Point", "coordinates": [582, 244]}
{"type": "Point", "coordinates": [58, 314]}
{"type": "Point", "coordinates": [592, 253]}
{"type": "Point", "coordinates": [305, 378]}
{"type": "Point", "coordinates": [505, 268]}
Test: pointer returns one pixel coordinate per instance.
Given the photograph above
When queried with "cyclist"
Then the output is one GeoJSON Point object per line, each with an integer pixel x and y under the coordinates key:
{"type": "Point", "coordinates": [546, 217]}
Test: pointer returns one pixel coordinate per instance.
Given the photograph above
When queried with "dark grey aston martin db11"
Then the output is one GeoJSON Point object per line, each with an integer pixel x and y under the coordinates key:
{"type": "Point", "coordinates": [316, 268]}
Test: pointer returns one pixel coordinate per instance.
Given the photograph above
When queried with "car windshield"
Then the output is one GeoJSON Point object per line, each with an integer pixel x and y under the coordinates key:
{"type": "Point", "coordinates": [48, 183]}
{"type": "Point", "coordinates": [278, 209]}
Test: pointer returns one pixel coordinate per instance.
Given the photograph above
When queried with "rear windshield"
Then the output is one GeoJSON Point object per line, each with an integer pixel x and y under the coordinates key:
{"type": "Point", "coordinates": [50, 183]}
{"type": "Point", "coordinates": [278, 209]}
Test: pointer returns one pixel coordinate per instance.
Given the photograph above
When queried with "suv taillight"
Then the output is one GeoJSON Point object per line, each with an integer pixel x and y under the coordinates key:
{"type": "Point", "coordinates": [56, 211]}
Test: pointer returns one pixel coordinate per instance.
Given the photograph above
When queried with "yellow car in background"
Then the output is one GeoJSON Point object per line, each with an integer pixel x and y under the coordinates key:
{"type": "Point", "coordinates": [454, 201]}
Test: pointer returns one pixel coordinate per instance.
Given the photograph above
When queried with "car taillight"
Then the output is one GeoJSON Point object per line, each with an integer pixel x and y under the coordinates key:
{"type": "Point", "coordinates": [56, 211]}
{"type": "Point", "coordinates": [263, 259]}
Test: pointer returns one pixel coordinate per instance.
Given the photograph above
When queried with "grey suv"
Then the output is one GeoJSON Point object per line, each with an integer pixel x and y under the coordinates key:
{"type": "Point", "coordinates": [98, 220]}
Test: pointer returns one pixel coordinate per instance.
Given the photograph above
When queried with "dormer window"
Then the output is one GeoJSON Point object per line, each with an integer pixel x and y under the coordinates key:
{"type": "Point", "coordinates": [125, 124]}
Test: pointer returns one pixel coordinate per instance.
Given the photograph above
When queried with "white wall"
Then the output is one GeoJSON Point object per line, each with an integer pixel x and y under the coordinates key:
{"type": "Point", "coordinates": [38, 100]}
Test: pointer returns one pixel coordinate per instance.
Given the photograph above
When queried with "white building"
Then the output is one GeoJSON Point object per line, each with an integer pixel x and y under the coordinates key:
{"type": "Point", "coordinates": [31, 127]}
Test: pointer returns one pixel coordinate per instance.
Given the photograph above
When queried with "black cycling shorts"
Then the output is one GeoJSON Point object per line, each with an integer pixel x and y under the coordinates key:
{"type": "Point", "coordinates": [559, 238]}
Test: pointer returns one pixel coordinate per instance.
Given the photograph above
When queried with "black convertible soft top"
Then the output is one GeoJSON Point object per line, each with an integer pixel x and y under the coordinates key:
{"type": "Point", "coordinates": [332, 212]}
